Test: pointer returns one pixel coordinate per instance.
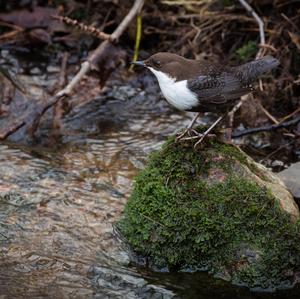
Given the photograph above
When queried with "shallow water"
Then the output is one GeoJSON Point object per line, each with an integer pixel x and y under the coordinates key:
{"type": "Point", "coordinates": [58, 206]}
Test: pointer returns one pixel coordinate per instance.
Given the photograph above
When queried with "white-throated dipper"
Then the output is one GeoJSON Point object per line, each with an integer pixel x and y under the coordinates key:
{"type": "Point", "coordinates": [199, 86]}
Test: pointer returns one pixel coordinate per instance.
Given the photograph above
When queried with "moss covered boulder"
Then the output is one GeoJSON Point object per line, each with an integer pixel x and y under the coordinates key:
{"type": "Point", "coordinates": [214, 209]}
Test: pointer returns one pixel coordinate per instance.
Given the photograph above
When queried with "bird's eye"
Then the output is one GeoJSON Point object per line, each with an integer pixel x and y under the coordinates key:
{"type": "Point", "coordinates": [157, 63]}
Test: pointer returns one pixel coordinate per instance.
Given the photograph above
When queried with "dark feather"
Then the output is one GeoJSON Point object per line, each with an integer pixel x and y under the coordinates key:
{"type": "Point", "coordinates": [223, 88]}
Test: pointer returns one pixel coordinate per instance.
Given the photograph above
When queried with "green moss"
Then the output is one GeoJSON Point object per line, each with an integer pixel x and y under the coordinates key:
{"type": "Point", "coordinates": [228, 2]}
{"type": "Point", "coordinates": [247, 51]}
{"type": "Point", "coordinates": [178, 219]}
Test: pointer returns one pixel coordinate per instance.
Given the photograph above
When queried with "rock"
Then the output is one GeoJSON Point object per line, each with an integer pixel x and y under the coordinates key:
{"type": "Point", "coordinates": [214, 209]}
{"type": "Point", "coordinates": [291, 177]}
{"type": "Point", "coordinates": [110, 283]}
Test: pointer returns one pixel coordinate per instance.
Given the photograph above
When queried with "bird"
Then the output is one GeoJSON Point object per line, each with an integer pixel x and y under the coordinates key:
{"type": "Point", "coordinates": [200, 86]}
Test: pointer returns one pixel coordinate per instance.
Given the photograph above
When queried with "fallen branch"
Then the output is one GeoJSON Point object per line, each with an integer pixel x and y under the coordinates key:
{"type": "Point", "coordinates": [286, 124]}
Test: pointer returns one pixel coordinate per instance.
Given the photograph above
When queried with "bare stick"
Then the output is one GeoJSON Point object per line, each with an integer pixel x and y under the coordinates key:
{"type": "Point", "coordinates": [85, 68]}
{"type": "Point", "coordinates": [63, 72]}
{"type": "Point", "coordinates": [244, 98]}
{"type": "Point", "coordinates": [59, 109]}
{"type": "Point", "coordinates": [286, 124]}
{"type": "Point", "coordinates": [208, 131]}
{"type": "Point", "coordinates": [258, 20]}
{"type": "Point", "coordinates": [11, 130]}
{"type": "Point", "coordinates": [236, 108]}
{"type": "Point", "coordinates": [136, 8]}
{"type": "Point", "coordinates": [85, 28]}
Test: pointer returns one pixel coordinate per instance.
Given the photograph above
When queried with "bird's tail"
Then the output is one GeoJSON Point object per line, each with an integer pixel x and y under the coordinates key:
{"type": "Point", "coordinates": [252, 70]}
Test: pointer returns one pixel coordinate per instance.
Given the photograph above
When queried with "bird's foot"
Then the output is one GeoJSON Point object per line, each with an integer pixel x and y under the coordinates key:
{"type": "Point", "coordinates": [194, 135]}
{"type": "Point", "coordinates": [197, 135]}
{"type": "Point", "coordinates": [181, 136]}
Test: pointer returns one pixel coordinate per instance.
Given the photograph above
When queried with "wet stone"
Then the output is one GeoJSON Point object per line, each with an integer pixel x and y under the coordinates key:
{"type": "Point", "coordinates": [291, 177]}
{"type": "Point", "coordinates": [125, 285]}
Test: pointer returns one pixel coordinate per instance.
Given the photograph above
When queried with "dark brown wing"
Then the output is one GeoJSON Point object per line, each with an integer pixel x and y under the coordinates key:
{"type": "Point", "coordinates": [221, 90]}
{"type": "Point", "coordinates": [215, 93]}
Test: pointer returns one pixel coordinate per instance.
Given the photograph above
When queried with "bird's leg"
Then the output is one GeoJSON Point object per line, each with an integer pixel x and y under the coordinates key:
{"type": "Point", "coordinates": [206, 133]}
{"type": "Point", "coordinates": [189, 127]}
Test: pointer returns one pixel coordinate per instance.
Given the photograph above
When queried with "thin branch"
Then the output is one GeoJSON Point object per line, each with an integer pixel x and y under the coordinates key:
{"type": "Point", "coordinates": [269, 115]}
{"type": "Point", "coordinates": [286, 124]}
{"type": "Point", "coordinates": [258, 20]}
{"type": "Point", "coordinates": [85, 28]}
{"type": "Point", "coordinates": [85, 68]}
{"type": "Point", "coordinates": [11, 130]}
{"type": "Point", "coordinates": [290, 115]}
{"type": "Point", "coordinates": [277, 150]}
{"type": "Point", "coordinates": [136, 8]}
{"type": "Point", "coordinates": [63, 71]}
{"type": "Point", "coordinates": [258, 55]}
{"type": "Point", "coordinates": [236, 108]}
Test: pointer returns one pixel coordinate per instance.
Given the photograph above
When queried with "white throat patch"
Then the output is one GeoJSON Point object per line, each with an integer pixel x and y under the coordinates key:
{"type": "Point", "coordinates": [176, 93]}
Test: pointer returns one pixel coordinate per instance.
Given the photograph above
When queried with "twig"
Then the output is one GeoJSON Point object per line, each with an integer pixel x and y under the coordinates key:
{"type": "Point", "coordinates": [15, 27]}
{"type": "Point", "coordinates": [85, 28]}
{"type": "Point", "coordinates": [290, 115]}
{"type": "Point", "coordinates": [275, 121]}
{"type": "Point", "coordinates": [152, 220]}
{"type": "Point", "coordinates": [268, 46]}
{"type": "Point", "coordinates": [236, 108]}
{"type": "Point", "coordinates": [9, 35]}
{"type": "Point", "coordinates": [269, 115]}
{"type": "Point", "coordinates": [136, 8]}
{"type": "Point", "coordinates": [258, 55]}
{"type": "Point", "coordinates": [258, 20]}
{"type": "Point", "coordinates": [85, 68]}
{"type": "Point", "coordinates": [290, 21]}
{"type": "Point", "coordinates": [286, 124]}
{"type": "Point", "coordinates": [59, 109]}
{"type": "Point", "coordinates": [63, 71]}
{"type": "Point", "coordinates": [11, 130]}
{"type": "Point", "coordinates": [277, 150]}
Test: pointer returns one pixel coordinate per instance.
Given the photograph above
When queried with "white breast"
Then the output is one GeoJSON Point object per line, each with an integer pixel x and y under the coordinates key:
{"type": "Point", "coordinates": [176, 93]}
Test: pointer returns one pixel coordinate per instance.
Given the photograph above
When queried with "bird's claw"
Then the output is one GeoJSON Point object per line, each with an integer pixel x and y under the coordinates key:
{"type": "Point", "coordinates": [193, 135]}
{"type": "Point", "coordinates": [181, 135]}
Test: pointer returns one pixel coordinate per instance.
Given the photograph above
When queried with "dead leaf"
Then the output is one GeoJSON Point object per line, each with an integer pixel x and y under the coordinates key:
{"type": "Point", "coordinates": [39, 17]}
{"type": "Point", "coordinates": [295, 39]}
{"type": "Point", "coordinates": [40, 36]}
{"type": "Point", "coordinates": [110, 58]}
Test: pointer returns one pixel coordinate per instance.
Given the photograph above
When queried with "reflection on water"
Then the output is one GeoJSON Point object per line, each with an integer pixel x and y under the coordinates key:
{"type": "Point", "coordinates": [58, 206]}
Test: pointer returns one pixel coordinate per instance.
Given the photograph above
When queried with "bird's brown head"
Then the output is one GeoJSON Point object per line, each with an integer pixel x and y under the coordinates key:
{"type": "Point", "coordinates": [168, 63]}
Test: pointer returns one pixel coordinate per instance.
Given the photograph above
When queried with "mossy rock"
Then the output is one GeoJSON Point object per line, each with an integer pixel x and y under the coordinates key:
{"type": "Point", "coordinates": [214, 209]}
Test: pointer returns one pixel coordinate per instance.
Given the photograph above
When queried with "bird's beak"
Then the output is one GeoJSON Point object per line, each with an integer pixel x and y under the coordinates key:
{"type": "Point", "coordinates": [140, 63]}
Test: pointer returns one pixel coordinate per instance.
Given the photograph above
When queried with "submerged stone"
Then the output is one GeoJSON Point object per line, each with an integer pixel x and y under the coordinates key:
{"type": "Point", "coordinates": [214, 209]}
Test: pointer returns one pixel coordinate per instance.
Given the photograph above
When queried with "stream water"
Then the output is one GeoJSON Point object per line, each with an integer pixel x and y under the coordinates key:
{"type": "Point", "coordinates": [58, 205]}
